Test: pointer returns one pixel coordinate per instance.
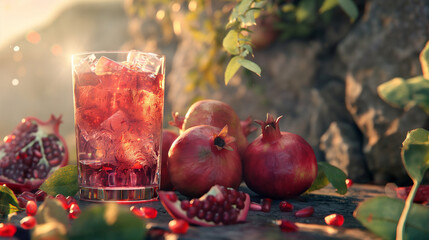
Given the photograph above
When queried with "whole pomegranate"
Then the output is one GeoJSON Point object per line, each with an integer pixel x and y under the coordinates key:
{"type": "Point", "coordinates": [279, 164]}
{"type": "Point", "coordinates": [214, 113]}
{"type": "Point", "coordinates": [31, 153]}
{"type": "Point", "coordinates": [201, 157]}
{"type": "Point", "coordinates": [168, 137]}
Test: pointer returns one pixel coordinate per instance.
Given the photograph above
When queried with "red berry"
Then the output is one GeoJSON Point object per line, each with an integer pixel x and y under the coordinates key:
{"type": "Point", "coordinates": [285, 206]}
{"type": "Point", "coordinates": [179, 226]}
{"type": "Point", "coordinates": [149, 212]}
{"type": "Point", "coordinates": [28, 222]}
{"type": "Point", "coordinates": [40, 195]}
{"type": "Point", "coordinates": [7, 230]}
{"type": "Point", "coordinates": [63, 200]}
{"type": "Point", "coordinates": [349, 182]}
{"type": "Point", "coordinates": [172, 196]}
{"type": "Point", "coordinates": [31, 208]}
{"type": "Point", "coordinates": [305, 212]}
{"type": "Point", "coordinates": [74, 211]}
{"type": "Point", "coordinates": [288, 226]}
{"type": "Point", "coordinates": [334, 219]}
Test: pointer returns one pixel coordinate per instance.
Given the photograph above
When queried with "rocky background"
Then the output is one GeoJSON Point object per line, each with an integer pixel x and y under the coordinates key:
{"type": "Point", "coordinates": [324, 85]}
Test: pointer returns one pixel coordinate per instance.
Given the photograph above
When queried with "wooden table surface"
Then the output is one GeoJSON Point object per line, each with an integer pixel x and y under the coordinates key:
{"type": "Point", "coordinates": [259, 224]}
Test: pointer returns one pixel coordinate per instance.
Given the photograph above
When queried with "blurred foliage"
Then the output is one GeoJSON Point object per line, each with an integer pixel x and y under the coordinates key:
{"type": "Point", "coordinates": [223, 29]}
{"type": "Point", "coordinates": [407, 93]}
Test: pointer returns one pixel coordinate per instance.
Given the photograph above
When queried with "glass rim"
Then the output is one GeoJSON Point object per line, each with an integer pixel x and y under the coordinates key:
{"type": "Point", "coordinates": [80, 54]}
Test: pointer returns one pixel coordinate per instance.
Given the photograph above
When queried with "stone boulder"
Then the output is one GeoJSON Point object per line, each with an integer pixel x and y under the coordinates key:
{"type": "Point", "coordinates": [384, 44]}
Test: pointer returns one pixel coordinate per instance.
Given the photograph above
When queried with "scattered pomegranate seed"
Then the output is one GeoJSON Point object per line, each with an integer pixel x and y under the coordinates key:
{"type": "Point", "coordinates": [74, 211]}
{"type": "Point", "coordinates": [172, 196]}
{"type": "Point", "coordinates": [266, 204]}
{"type": "Point", "coordinates": [305, 212]}
{"type": "Point", "coordinates": [7, 230]}
{"type": "Point", "coordinates": [70, 200]}
{"type": "Point", "coordinates": [288, 226]}
{"type": "Point", "coordinates": [136, 211]}
{"type": "Point", "coordinates": [178, 226]}
{"type": "Point", "coordinates": [285, 206]}
{"type": "Point", "coordinates": [349, 182]}
{"type": "Point", "coordinates": [40, 195]}
{"type": "Point", "coordinates": [149, 212]}
{"type": "Point", "coordinates": [31, 208]}
{"type": "Point", "coordinates": [28, 222]}
{"type": "Point", "coordinates": [63, 200]}
{"type": "Point", "coordinates": [334, 219]}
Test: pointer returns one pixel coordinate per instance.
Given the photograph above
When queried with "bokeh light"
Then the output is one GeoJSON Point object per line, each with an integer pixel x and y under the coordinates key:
{"type": "Point", "coordinates": [33, 37]}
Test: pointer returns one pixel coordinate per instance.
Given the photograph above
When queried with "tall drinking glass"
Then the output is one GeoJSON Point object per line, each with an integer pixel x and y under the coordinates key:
{"type": "Point", "coordinates": [118, 106]}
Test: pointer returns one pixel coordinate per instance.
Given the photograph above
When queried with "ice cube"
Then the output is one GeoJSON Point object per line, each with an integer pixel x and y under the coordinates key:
{"type": "Point", "coordinates": [90, 96]}
{"type": "Point", "coordinates": [117, 123]}
{"type": "Point", "coordinates": [106, 66]}
{"type": "Point", "coordinates": [88, 119]}
{"type": "Point", "coordinates": [83, 72]}
{"type": "Point", "coordinates": [145, 62]}
{"type": "Point", "coordinates": [123, 99]}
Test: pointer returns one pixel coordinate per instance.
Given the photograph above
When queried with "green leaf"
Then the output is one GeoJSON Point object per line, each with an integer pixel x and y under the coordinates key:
{"type": "Point", "coordinates": [335, 176]}
{"type": "Point", "coordinates": [305, 10]}
{"type": "Point", "coordinates": [415, 153]}
{"type": "Point", "coordinates": [381, 215]}
{"type": "Point", "coordinates": [52, 221]}
{"type": "Point", "coordinates": [320, 182]}
{"type": "Point", "coordinates": [250, 65]}
{"type": "Point", "coordinates": [424, 60]}
{"type": "Point", "coordinates": [243, 6]}
{"type": "Point", "coordinates": [328, 5]}
{"type": "Point", "coordinates": [230, 42]}
{"type": "Point", "coordinates": [62, 181]}
{"type": "Point", "coordinates": [8, 202]}
{"type": "Point", "coordinates": [232, 68]}
{"type": "Point", "coordinates": [107, 221]}
{"type": "Point", "coordinates": [396, 92]}
{"type": "Point", "coordinates": [350, 8]}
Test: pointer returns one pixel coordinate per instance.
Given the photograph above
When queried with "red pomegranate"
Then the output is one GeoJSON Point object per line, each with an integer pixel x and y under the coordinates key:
{"type": "Point", "coordinates": [279, 164]}
{"type": "Point", "coordinates": [214, 113]}
{"type": "Point", "coordinates": [168, 137]}
{"type": "Point", "coordinates": [31, 153]}
{"type": "Point", "coordinates": [201, 157]}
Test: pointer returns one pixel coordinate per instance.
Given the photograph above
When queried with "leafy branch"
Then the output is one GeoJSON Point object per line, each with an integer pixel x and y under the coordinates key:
{"type": "Point", "coordinates": [237, 41]}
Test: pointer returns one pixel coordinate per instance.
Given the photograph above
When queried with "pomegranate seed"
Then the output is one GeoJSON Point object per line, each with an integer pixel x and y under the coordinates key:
{"type": "Point", "coordinates": [305, 212]}
{"type": "Point", "coordinates": [285, 206]}
{"type": "Point", "coordinates": [266, 204]}
{"type": "Point", "coordinates": [7, 230]}
{"type": "Point", "coordinates": [349, 182]}
{"type": "Point", "coordinates": [149, 212]}
{"type": "Point", "coordinates": [288, 226]}
{"type": "Point", "coordinates": [63, 200]}
{"type": "Point", "coordinates": [22, 202]}
{"type": "Point", "coordinates": [178, 226]}
{"type": "Point", "coordinates": [185, 205]}
{"type": "Point", "coordinates": [334, 219]}
{"type": "Point", "coordinates": [136, 211]}
{"type": "Point", "coordinates": [74, 211]}
{"type": "Point", "coordinates": [70, 200]}
{"type": "Point", "coordinates": [28, 222]}
{"type": "Point", "coordinates": [40, 195]}
{"type": "Point", "coordinates": [31, 208]}
{"type": "Point", "coordinates": [255, 206]}
{"type": "Point", "coordinates": [28, 196]}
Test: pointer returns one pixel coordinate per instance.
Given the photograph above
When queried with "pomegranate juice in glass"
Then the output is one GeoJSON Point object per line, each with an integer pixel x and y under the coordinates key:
{"type": "Point", "coordinates": [118, 106]}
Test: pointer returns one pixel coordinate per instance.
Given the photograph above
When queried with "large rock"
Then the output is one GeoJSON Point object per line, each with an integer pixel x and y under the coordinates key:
{"type": "Point", "coordinates": [343, 148]}
{"type": "Point", "coordinates": [384, 44]}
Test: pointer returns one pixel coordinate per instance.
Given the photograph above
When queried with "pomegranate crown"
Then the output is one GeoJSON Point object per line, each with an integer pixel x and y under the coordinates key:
{"type": "Point", "coordinates": [270, 128]}
{"type": "Point", "coordinates": [222, 140]}
{"type": "Point", "coordinates": [177, 120]}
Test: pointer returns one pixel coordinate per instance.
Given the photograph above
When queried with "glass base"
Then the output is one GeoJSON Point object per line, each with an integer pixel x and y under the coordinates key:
{"type": "Point", "coordinates": [119, 194]}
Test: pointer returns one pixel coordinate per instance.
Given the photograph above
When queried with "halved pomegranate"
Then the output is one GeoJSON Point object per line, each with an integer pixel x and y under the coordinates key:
{"type": "Point", "coordinates": [219, 206]}
{"type": "Point", "coordinates": [31, 153]}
